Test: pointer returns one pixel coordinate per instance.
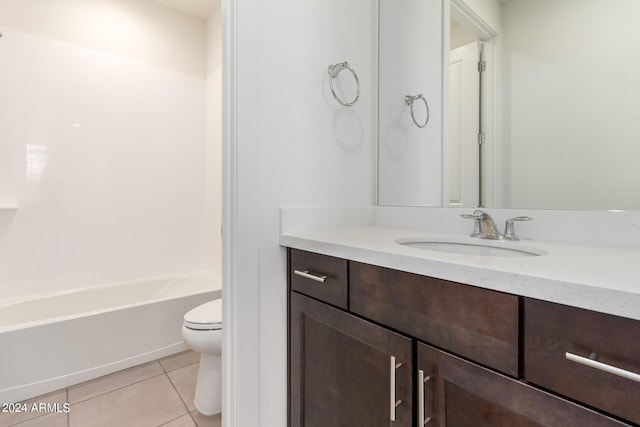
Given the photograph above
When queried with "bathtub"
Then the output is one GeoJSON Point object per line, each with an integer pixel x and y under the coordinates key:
{"type": "Point", "coordinates": [53, 341]}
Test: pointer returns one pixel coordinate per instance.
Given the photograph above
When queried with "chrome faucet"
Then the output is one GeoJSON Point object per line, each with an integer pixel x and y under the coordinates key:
{"type": "Point", "coordinates": [485, 228]}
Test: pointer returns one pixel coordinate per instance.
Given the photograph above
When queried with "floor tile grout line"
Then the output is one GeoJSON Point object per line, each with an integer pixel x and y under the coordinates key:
{"type": "Point", "coordinates": [35, 416]}
{"type": "Point", "coordinates": [181, 399]}
{"type": "Point", "coordinates": [74, 386]}
{"type": "Point", "coordinates": [176, 418]}
{"type": "Point", "coordinates": [24, 421]}
{"type": "Point", "coordinates": [179, 367]}
{"type": "Point", "coordinates": [19, 423]}
{"type": "Point", "coordinates": [164, 372]}
{"type": "Point", "coordinates": [193, 419]}
{"type": "Point", "coordinates": [116, 389]}
{"type": "Point", "coordinates": [40, 415]}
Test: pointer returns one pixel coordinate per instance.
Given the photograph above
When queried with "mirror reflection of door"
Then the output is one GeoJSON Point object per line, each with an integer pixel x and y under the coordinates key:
{"type": "Point", "coordinates": [464, 118]}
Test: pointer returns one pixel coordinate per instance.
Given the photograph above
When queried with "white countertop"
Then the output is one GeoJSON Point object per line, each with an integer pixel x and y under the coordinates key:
{"type": "Point", "coordinates": [598, 278]}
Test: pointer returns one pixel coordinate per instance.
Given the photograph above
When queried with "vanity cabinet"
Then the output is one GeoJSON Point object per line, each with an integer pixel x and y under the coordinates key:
{"type": "Point", "coordinates": [475, 323]}
{"type": "Point", "coordinates": [590, 357]}
{"type": "Point", "coordinates": [459, 393]}
{"type": "Point", "coordinates": [345, 371]}
{"type": "Point", "coordinates": [410, 350]}
{"type": "Point", "coordinates": [312, 270]}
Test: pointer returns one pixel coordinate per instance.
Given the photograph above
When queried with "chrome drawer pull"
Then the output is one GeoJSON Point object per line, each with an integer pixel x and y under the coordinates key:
{"type": "Point", "coordinates": [422, 380]}
{"type": "Point", "coordinates": [393, 403]}
{"type": "Point", "coordinates": [603, 367]}
{"type": "Point", "coordinates": [307, 275]}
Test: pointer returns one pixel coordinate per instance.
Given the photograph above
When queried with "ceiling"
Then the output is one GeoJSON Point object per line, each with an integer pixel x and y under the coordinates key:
{"type": "Point", "coordinates": [200, 9]}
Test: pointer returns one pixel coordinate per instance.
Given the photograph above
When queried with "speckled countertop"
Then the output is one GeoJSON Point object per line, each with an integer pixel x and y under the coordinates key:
{"type": "Point", "coordinates": [598, 278]}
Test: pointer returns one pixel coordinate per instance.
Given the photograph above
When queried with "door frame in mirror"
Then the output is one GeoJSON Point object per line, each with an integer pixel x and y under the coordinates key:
{"type": "Point", "coordinates": [492, 166]}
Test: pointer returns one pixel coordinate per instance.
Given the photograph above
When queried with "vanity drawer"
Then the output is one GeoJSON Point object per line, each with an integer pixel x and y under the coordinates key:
{"type": "Point", "coordinates": [319, 276]}
{"type": "Point", "coordinates": [554, 333]}
{"type": "Point", "coordinates": [475, 323]}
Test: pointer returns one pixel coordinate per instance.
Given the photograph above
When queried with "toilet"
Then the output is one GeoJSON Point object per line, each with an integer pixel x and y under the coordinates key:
{"type": "Point", "coordinates": [202, 332]}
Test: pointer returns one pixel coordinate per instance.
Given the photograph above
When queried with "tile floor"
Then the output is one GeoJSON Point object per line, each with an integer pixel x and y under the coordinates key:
{"type": "Point", "coordinates": [158, 393]}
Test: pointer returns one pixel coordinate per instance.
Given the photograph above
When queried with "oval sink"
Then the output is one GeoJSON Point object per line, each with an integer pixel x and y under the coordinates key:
{"type": "Point", "coordinates": [496, 248]}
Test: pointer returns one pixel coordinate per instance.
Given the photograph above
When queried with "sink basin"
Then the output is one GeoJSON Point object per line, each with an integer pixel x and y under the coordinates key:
{"type": "Point", "coordinates": [494, 248]}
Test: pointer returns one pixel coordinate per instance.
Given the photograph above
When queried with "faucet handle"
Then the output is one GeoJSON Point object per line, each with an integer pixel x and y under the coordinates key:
{"type": "Point", "coordinates": [477, 225]}
{"type": "Point", "coordinates": [476, 214]}
{"type": "Point", "coordinates": [509, 230]}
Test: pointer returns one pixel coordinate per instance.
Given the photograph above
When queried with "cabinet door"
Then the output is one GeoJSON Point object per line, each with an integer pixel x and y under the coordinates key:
{"type": "Point", "coordinates": [458, 393]}
{"type": "Point", "coordinates": [346, 371]}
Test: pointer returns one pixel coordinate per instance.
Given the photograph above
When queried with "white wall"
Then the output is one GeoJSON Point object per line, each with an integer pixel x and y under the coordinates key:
{"type": "Point", "coordinates": [571, 101]}
{"type": "Point", "coordinates": [411, 56]}
{"type": "Point", "coordinates": [136, 29]}
{"type": "Point", "coordinates": [214, 139]}
{"type": "Point", "coordinates": [292, 145]}
{"type": "Point", "coordinates": [120, 196]}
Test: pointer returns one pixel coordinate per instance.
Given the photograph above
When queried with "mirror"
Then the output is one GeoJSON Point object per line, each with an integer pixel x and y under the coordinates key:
{"type": "Point", "coordinates": [559, 105]}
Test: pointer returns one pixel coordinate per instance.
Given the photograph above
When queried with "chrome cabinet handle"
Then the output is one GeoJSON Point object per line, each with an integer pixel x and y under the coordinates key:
{"type": "Point", "coordinates": [307, 275]}
{"type": "Point", "coordinates": [422, 380]}
{"type": "Point", "coordinates": [603, 367]}
{"type": "Point", "coordinates": [393, 403]}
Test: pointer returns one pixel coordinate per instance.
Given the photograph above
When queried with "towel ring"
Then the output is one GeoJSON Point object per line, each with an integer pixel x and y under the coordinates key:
{"type": "Point", "coordinates": [334, 70]}
{"type": "Point", "coordinates": [410, 100]}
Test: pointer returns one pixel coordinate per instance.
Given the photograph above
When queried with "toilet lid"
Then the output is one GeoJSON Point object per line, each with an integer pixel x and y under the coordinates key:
{"type": "Point", "coordinates": [205, 316]}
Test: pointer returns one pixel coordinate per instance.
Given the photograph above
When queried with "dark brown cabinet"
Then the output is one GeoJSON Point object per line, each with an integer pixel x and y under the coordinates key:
{"type": "Point", "coordinates": [345, 371]}
{"type": "Point", "coordinates": [320, 276]}
{"type": "Point", "coordinates": [587, 356]}
{"type": "Point", "coordinates": [399, 349]}
{"type": "Point", "coordinates": [459, 393]}
{"type": "Point", "coordinates": [475, 323]}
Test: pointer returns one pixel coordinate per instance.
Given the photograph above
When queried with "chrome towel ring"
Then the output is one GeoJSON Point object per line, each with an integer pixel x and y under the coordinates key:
{"type": "Point", "coordinates": [334, 70]}
{"type": "Point", "coordinates": [410, 100]}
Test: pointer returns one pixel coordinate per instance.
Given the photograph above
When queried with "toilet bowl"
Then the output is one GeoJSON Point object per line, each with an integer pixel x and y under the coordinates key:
{"type": "Point", "coordinates": [202, 332]}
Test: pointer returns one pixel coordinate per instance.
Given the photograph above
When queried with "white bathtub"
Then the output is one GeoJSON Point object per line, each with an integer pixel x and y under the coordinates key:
{"type": "Point", "coordinates": [53, 341]}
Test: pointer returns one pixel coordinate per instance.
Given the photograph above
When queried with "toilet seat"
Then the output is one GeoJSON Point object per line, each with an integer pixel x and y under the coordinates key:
{"type": "Point", "coordinates": [205, 317]}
